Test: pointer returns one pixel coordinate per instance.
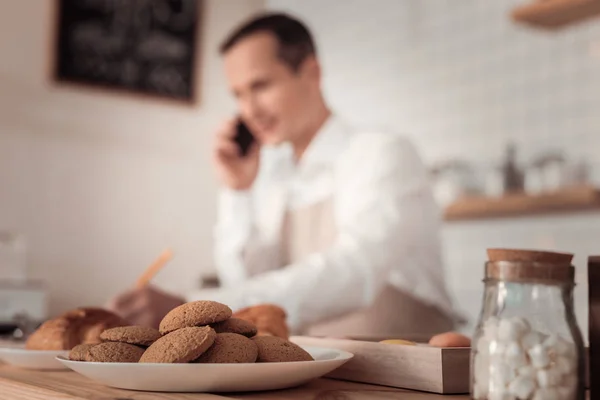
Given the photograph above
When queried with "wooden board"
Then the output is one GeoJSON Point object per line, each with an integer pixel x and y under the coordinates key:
{"type": "Point", "coordinates": [20, 384]}
{"type": "Point", "coordinates": [579, 198]}
{"type": "Point", "coordinates": [425, 368]}
{"type": "Point", "coordinates": [552, 14]}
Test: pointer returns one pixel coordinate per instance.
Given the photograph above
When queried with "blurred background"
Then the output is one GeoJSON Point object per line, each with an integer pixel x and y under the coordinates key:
{"type": "Point", "coordinates": [96, 180]}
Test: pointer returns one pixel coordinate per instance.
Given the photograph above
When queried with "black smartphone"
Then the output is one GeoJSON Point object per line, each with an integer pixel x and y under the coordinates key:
{"type": "Point", "coordinates": [243, 137]}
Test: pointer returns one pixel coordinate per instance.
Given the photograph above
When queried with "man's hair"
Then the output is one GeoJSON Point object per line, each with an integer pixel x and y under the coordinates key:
{"type": "Point", "coordinates": [296, 43]}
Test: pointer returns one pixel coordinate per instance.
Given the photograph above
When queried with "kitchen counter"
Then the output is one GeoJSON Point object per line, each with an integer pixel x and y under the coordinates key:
{"type": "Point", "coordinates": [20, 384]}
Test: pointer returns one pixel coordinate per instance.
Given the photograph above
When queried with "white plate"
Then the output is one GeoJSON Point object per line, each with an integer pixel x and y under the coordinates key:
{"type": "Point", "coordinates": [33, 359]}
{"type": "Point", "coordinates": [211, 377]}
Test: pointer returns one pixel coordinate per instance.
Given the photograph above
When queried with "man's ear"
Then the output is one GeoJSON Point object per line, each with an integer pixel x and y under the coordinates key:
{"type": "Point", "coordinates": [310, 68]}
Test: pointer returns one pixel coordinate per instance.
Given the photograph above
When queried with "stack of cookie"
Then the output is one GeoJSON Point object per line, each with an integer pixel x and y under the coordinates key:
{"type": "Point", "coordinates": [198, 332]}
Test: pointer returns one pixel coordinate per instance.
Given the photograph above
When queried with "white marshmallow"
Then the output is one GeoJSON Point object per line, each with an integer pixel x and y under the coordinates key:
{"type": "Point", "coordinates": [527, 371]}
{"type": "Point", "coordinates": [565, 393]}
{"type": "Point", "coordinates": [539, 356]}
{"type": "Point", "coordinates": [569, 382]}
{"type": "Point", "coordinates": [547, 394]}
{"type": "Point", "coordinates": [522, 387]}
{"type": "Point", "coordinates": [565, 365]}
{"type": "Point", "coordinates": [531, 339]}
{"type": "Point", "coordinates": [514, 355]}
{"type": "Point", "coordinates": [497, 349]}
{"type": "Point", "coordinates": [481, 367]}
{"type": "Point", "coordinates": [515, 362]}
{"type": "Point", "coordinates": [501, 373]}
{"type": "Point", "coordinates": [500, 395]}
{"type": "Point", "coordinates": [483, 346]}
{"type": "Point", "coordinates": [480, 392]}
{"type": "Point", "coordinates": [559, 345]}
{"type": "Point", "coordinates": [490, 328]}
{"type": "Point", "coordinates": [548, 377]}
{"type": "Point", "coordinates": [511, 329]}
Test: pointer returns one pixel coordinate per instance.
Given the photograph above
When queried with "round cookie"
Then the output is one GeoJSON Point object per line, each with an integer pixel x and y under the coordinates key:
{"type": "Point", "coordinates": [80, 352]}
{"type": "Point", "coordinates": [180, 346]}
{"type": "Point", "coordinates": [269, 319]}
{"type": "Point", "coordinates": [196, 313]}
{"type": "Point", "coordinates": [114, 352]}
{"type": "Point", "coordinates": [230, 348]}
{"type": "Point", "coordinates": [138, 335]}
{"type": "Point", "coordinates": [276, 349]}
{"type": "Point", "coordinates": [235, 325]}
{"type": "Point", "coordinates": [265, 308]}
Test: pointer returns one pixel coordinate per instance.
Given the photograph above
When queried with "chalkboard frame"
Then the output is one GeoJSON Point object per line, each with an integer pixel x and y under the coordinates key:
{"type": "Point", "coordinates": [123, 92]}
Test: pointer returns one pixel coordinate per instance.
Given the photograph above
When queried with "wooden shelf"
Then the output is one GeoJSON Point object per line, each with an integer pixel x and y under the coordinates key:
{"type": "Point", "coordinates": [579, 198]}
{"type": "Point", "coordinates": [554, 14]}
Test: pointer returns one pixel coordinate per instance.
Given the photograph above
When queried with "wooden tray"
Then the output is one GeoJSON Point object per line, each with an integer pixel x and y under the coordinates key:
{"type": "Point", "coordinates": [422, 367]}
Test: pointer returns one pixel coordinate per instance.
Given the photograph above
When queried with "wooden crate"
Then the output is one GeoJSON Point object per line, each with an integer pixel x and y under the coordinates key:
{"type": "Point", "coordinates": [426, 368]}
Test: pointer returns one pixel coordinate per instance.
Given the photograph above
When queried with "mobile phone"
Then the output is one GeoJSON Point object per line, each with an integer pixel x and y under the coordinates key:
{"type": "Point", "coordinates": [243, 137]}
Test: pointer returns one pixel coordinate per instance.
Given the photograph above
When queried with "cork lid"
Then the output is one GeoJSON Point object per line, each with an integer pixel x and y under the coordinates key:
{"type": "Point", "coordinates": [515, 265]}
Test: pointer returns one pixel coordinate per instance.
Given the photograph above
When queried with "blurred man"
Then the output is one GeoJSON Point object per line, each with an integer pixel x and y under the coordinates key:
{"type": "Point", "coordinates": [335, 224]}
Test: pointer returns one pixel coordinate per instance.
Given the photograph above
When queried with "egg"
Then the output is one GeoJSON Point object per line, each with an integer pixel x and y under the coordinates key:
{"type": "Point", "coordinates": [450, 339]}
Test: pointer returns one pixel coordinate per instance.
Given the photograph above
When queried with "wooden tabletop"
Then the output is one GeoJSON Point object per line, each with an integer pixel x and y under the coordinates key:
{"type": "Point", "coordinates": [20, 384]}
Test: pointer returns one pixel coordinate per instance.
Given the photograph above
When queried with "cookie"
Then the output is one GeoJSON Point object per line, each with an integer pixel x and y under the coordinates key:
{"type": "Point", "coordinates": [138, 335]}
{"type": "Point", "coordinates": [81, 325]}
{"type": "Point", "coordinates": [92, 321]}
{"type": "Point", "coordinates": [268, 318]}
{"type": "Point", "coordinates": [230, 348]}
{"type": "Point", "coordinates": [180, 346]}
{"type": "Point", "coordinates": [276, 349]}
{"type": "Point", "coordinates": [54, 334]}
{"type": "Point", "coordinates": [266, 308]}
{"type": "Point", "coordinates": [80, 352]}
{"type": "Point", "coordinates": [114, 352]}
{"type": "Point", "coordinates": [235, 325]}
{"type": "Point", "coordinates": [196, 313]}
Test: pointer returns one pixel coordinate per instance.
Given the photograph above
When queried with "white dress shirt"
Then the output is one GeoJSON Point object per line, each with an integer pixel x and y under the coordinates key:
{"type": "Point", "coordinates": [386, 218]}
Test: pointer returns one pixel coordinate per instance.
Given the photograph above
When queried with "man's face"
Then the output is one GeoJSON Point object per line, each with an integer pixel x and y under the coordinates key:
{"type": "Point", "coordinates": [273, 100]}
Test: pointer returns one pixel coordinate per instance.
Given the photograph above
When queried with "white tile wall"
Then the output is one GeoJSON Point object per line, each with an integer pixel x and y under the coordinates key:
{"type": "Point", "coordinates": [461, 79]}
{"type": "Point", "coordinates": [101, 183]}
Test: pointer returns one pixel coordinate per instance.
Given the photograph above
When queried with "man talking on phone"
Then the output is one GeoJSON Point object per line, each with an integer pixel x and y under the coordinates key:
{"type": "Point", "coordinates": [335, 224]}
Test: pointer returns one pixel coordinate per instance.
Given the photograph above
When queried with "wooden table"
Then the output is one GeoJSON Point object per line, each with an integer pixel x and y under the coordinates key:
{"type": "Point", "coordinates": [20, 384]}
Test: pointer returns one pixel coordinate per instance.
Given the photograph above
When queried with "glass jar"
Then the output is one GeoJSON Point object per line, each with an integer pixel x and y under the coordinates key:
{"type": "Point", "coordinates": [527, 344]}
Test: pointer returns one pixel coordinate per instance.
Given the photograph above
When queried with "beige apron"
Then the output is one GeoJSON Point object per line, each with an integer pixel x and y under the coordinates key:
{"type": "Point", "coordinates": [394, 313]}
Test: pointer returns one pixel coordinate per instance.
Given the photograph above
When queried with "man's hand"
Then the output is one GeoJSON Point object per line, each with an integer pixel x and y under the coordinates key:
{"type": "Point", "coordinates": [146, 306]}
{"type": "Point", "coordinates": [234, 171]}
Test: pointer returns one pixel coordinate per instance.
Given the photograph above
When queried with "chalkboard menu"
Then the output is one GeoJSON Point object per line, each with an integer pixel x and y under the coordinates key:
{"type": "Point", "coordinates": [140, 46]}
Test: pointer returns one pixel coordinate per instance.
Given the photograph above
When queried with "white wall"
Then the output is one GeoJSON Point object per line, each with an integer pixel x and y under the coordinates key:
{"type": "Point", "coordinates": [101, 183]}
{"type": "Point", "coordinates": [461, 80]}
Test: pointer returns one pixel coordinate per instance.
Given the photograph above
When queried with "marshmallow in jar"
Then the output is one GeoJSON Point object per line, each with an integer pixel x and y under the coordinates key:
{"type": "Point", "coordinates": [527, 345]}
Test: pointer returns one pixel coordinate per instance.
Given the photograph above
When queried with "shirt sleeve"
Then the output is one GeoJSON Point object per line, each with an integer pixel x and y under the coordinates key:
{"type": "Point", "coordinates": [234, 227]}
{"type": "Point", "coordinates": [241, 249]}
{"type": "Point", "coordinates": [381, 197]}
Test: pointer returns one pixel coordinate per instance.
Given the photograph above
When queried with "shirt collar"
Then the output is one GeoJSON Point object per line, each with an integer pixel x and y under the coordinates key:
{"type": "Point", "coordinates": [327, 143]}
